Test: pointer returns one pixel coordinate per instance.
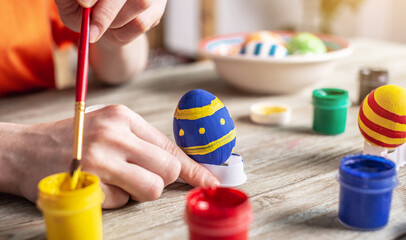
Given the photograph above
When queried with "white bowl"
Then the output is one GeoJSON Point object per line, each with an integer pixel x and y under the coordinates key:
{"type": "Point", "coordinates": [272, 75]}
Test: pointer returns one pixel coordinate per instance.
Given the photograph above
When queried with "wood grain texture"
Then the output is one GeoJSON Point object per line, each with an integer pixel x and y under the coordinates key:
{"type": "Point", "coordinates": [291, 170]}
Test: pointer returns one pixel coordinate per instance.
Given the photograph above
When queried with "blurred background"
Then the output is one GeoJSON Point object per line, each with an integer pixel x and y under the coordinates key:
{"type": "Point", "coordinates": [186, 22]}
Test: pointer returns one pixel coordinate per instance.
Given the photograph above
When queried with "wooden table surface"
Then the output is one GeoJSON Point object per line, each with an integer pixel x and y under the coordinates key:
{"type": "Point", "coordinates": [291, 170]}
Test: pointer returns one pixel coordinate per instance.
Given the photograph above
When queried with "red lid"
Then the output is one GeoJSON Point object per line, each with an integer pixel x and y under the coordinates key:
{"type": "Point", "coordinates": [218, 207]}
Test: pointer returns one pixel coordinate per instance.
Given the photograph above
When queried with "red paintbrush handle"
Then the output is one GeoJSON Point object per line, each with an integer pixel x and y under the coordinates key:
{"type": "Point", "coordinates": [83, 57]}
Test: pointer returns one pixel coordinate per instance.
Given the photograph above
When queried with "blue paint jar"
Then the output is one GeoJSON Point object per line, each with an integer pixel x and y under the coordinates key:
{"type": "Point", "coordinates": [366, 185]}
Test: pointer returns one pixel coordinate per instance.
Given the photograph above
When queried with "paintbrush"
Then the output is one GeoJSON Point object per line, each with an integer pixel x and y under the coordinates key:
{"type": "Point", "coordinates": [81, 89]}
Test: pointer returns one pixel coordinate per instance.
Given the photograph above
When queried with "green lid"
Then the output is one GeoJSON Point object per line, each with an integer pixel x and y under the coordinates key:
{"type": "Point", "coordinates": [331, 98]}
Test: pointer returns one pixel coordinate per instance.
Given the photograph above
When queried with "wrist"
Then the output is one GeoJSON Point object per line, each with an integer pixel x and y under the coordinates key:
{"type": "Point", "coordinates": [28, 153]}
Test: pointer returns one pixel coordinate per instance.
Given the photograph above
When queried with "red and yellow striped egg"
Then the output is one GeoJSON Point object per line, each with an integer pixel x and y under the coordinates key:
{"type": "Point", "coordinates": [382, 116]}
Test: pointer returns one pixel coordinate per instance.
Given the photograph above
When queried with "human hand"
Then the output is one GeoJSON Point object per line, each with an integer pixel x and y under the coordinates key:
{"type": "Point", "coordinates": [119, 21]}
{"type": "Point", "coordinates": [130, 156]}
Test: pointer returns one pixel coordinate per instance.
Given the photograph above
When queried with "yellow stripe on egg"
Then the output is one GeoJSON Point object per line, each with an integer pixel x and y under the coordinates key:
{"type": "Point", "coordinates": [397, 107]}
{"type": "Point", "coordinates": [386, 123]}
{"type": "Point", "coordinates": [199, 112]}
{"type": "Point", "coordinates": [378, 136]}
{"type": "Point", "coordinates": [210, 147]}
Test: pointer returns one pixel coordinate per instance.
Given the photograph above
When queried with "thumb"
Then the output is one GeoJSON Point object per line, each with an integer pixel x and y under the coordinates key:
{"type": "Point", "coordinates": [195, 174]}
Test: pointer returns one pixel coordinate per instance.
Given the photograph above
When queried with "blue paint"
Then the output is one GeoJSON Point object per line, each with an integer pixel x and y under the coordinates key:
{"type": "Point", "coordinates": [210, 124]}
{"type": "Point", "coordinates": [273, 49]}
{"type": "Point", "coordinates": [214, 130]}
{"type": "Point", "coordinates": [195, 98]}
{"type": "Point", "coordinates": [257, 48]}
{"type": "Point", "coordinates": [243, 50]}
{"type": "Point", "coordinates": [366, 186]}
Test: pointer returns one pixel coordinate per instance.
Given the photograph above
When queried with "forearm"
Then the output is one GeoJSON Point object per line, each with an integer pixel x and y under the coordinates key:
{"type": "Point", "coordinates": [29, 153]}
{"type": "Point", "coordinates": [114, 63]}
{"type": "Point", "coordinates": [10, 146]}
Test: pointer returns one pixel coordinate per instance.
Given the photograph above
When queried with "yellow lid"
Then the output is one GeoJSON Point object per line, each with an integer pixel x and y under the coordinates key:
{"type": "Point", "coordinates": [269, 113]}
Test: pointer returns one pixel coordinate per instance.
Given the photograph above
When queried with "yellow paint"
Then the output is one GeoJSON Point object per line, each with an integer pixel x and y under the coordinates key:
{"type": "Point", "coordinates": [202, 130]}
{"type": "Point", "coordinates": [211, 147]}
{"type": "Point", "coordinates": [378, 136]}
{"type": "Point", "coordinates": [181, 132]}
{"type": "Point", "coordinates": [75, 178]}
{"type": "Point", "coordinates": [392, 98]}
{"type": "Point", "coordinates": [199, 112]}
{"type": "Point", "coordinates": [71, 214]}
{"type": "Point", "coordinates": [232, 150]}
{"type": "Point", "coordinates": [269, 110]}
{"type": "Point", "coordinates": [222, 121]}
{"type": "Point", "coordinates": [386, 123]}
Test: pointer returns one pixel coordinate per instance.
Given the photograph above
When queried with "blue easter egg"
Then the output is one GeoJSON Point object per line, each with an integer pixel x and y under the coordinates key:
{"type": "Point", "coordinates": [203, 128]}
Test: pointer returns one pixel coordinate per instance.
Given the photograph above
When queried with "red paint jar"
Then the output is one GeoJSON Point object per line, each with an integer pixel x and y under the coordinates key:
{"type": "Point", "coordinates": [218, 214]}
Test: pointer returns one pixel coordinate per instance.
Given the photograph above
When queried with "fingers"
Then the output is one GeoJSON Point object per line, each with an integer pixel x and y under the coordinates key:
{"type": "Point", "coordinates": [87, 3]}
{"type": "Point", "coordinates": [127, 19]}
{"type": "Point", "coordinates": [192, 172]}
{"type": "Point", "coordinates": [103, 14]}
{"type": "Point", "coordinates": [70, 13]}
{"type": "Point", "coordinates": [114, 197]}
{"type": "Point", "coordinates": [127, 152]}
{"type": "Point", "coordinates": [67, 6]}
{"type": "Point", "coordinates": [140, 183]}
{"type": "Point", "coordinates": [131, 27]}
{"type": "Point", "coordinates": [152, 158]}
{"type": "Point", "coordinates": [129, 11]}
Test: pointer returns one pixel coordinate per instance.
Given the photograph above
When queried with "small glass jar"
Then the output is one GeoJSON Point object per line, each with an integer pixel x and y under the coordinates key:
{"type": "Point", "coordinates": [369, 79]}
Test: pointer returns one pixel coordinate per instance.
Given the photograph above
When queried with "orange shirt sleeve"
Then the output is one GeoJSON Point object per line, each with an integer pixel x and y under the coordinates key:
{"type": "Point", "coordinates": [33, 28]}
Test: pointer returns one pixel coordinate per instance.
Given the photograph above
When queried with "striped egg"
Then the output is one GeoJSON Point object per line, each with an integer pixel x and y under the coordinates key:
{"type": "Point", "coordinates": [203, 128]}
{"type": "Point", "coordinates": [263, 50]}
{"type": "Point", "coordinates": [382, 116]}
{"type": "Point", "coordinates": [265, 36]}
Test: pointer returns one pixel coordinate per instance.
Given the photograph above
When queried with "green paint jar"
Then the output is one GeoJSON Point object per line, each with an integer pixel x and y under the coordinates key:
{"type": "Point", "coordinates": [330, 110]}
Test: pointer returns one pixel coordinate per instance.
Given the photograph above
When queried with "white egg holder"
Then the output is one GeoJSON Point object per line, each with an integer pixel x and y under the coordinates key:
{"type": "Point", "coordinates": [397, 155]}
{"type": "Point", "coordinates": [230, 173]}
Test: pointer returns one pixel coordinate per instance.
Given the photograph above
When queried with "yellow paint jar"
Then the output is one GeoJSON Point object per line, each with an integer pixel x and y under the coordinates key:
{"type": "Point", "coordinates": [71, 214]}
